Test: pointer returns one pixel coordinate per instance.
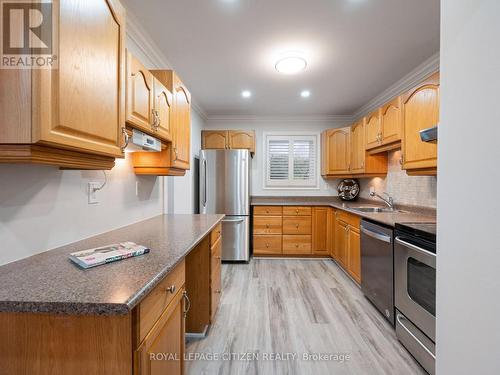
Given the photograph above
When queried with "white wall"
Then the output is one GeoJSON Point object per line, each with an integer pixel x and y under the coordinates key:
{"type": "Point", "coordinates": [468, 252]}
{"type": "Point", "coordinates": [43, 207]}
{"type": "Point", "coordinates": [261, 126]}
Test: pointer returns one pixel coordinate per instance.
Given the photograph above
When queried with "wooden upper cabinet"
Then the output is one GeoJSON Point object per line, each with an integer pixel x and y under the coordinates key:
{"type": "Point", "coordinates": [420, 111]}
{"type": "Point", "coordinates": [390, 122]}
{"type": "Point", "coordinates": [372, 130]}
{"type": "Point", "coordinates": [241, 139]}
{"type": "Point", "coordinates": [163, 104]}
{"type": "Point", "coordinates": [140, 95]}
{"type": "Point", "coordinates": [214, 139]}
{"type": "Point", "coordinates": [228, 139]}
{"type": "Point", "coordinates": [336, 154]}
{"type": "Point", "coordinates": [358, 148]}
{"type": "Point", "coordinates": [80, 106]}
{"type": "Point", "coordinates": [174, 159]}
{"type": "Point", "coordinates": [181, 145]}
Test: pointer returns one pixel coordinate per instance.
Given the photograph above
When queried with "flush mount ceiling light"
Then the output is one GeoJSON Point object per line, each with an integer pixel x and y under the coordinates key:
{"type": "Point", "coordinates": [305, 93]}
{"type": "Point", "coordinates": [290, 65]}
{"type": "Point", "coordinates": [246, 94]}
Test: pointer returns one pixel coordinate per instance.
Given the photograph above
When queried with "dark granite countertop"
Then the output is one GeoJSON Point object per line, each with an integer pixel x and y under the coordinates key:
{"type": "Point", "coordinates": [50, 283]}
{"type": "Point", "coordinates": [410, 214]}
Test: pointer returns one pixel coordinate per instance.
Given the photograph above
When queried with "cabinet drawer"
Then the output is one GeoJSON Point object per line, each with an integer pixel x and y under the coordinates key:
{"type": "Point", "coordinates": [297, 225]}
{"type": "Point", "coordinates": [267, 244]}
{"type": "Point", "coordinates": [297, 211]}
{"type": "Point", "coordinates": [268, 210]}
{"type": "Point", "coordinates": [296, 244]}
{"type": "Point", "coordinates": [151, 307]}
{"type": "Point", "coordinates": [267, 225]}
{"type": "Point", "coordinates": [215, 234]}
{"type": "Point", "coordinates": [348, 218]}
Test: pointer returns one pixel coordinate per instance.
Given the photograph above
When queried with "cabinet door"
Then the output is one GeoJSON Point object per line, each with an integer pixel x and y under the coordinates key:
{"type": "Point", "coordinates": [214, 139]}
{"type": "Point", "coordinates": [390, 121]}
{"type": "Point", "coordinates": [163, 107]}
{"type": "Point", "coordinates": [341, 242]}
{"type": "Point", "coordinates": [181, 146]}
{"type": "Point", "coordinates": [331, 232]}
{"type": "Point", "coordinates": [338, 153]}
{"type": "Point", "coordinates": [420, 111]}
{"type": "Point", "coordinates": [162, 351]}
{"type": "Point", "coordinates": [320, 231]}
{"type": "Point", "coordinates": [372, 130]}
{"type": "Point", "coordinates": [81, 105]}
{"type": "Point", "coordinates": [240, 139]}
{"type": "Point", "coordinates": [354, 254]}
{"type": "Point", "coordinates": [358, 148]}
{"type": "Point", "coordinates": [140, 95]}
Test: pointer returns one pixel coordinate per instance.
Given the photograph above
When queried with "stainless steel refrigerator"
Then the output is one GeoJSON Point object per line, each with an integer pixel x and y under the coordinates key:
{"type": "Point", "coordinates": [225, 189]}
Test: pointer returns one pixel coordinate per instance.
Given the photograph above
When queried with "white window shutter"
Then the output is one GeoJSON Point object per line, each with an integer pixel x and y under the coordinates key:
{"type": "Point", "coordinates": [291, 161]}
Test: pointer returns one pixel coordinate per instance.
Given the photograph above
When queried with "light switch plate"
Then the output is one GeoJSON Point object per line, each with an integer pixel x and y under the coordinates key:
{"type": "Point", "coordinates": [92, 192]}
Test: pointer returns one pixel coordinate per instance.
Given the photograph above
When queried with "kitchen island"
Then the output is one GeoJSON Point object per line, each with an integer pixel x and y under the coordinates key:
{"type": "Point", "coordinates": [56, 318]}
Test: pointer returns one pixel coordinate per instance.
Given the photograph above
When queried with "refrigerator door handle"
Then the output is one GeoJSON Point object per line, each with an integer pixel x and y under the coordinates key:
{"type": "Point", "coordinates": [205, 182]}
{"type": "Point", "coordinates": [232, 221]}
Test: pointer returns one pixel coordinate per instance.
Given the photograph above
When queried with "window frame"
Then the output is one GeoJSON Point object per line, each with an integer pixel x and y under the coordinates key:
{"type": "Point", "coordinates": [289, 184]}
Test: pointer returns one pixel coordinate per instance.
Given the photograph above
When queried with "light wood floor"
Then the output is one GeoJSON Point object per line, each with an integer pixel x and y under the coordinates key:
{"type": "Point", "coordinates": [298, 306]}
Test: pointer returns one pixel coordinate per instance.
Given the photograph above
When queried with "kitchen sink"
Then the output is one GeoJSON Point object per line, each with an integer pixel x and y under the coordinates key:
{"type": "Point", "coordinates": [374, 209]}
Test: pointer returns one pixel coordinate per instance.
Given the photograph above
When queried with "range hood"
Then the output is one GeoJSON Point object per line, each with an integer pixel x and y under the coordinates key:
{"type": "Point", "coordinates": [429, 135]}
{"type": "Point", "coordinates": [143, 142]}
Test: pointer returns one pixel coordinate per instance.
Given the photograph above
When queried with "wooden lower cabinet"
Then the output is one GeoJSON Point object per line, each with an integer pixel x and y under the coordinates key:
{"type": "Point", "coordinates": [267, 244]}
{"type": "Point", "coordinates": [320, 230]}
{"type": "Point", "coordinates": [162, 351]}
{"type": "Point", "coordinates": [297, 244]}
{"type": "Point", "coordinates": [215, 270]}
{"type": "Point", "coordinates": [347, 244]}
{"type": "Point", "coordinates": [341, 242]}
{"type": "Point", "coordinates": [354, 254]}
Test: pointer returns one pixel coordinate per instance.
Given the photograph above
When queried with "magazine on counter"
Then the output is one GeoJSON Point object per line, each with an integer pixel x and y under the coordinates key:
{"type": "Point", "coordinates": [107, 254]}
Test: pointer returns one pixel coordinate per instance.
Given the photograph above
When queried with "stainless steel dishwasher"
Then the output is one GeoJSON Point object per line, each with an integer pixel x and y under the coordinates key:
{"type": "Point", "coordinates": [377, 267]}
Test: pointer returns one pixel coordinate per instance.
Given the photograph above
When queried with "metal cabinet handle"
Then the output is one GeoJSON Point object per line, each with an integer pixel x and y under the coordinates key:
{"type": "Point", "coordinates": [171, 289]}
{"type": "Point", "coordinates": [218, 291]}
{"type": "Point", "coordinates": [267, 225]}
{"type": "Point", "coordinates": [153, 113]}
{"type": "Point", "coordinates": [267, 245]}
{"type": "Point", "coordinates": [376, 235]}
{"type": "Point", "coordinates": [236, 221]}
{"type": "Point", "coordinates": [296, 211]}
{"type": "Point", "coordinates": [187, 303]}
{"type": "Point", "coordinates": [297, 226]}
{"type": "Point", "coordinates": [400, 319]}
{"type": "Point", "coordinates": [158, 119]}
{"type": "Point", "coordinates": [127, 139]}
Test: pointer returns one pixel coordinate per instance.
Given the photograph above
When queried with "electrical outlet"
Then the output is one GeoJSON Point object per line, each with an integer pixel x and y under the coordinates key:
{"type": "Point", "coordinates": [137, 188]}
{"type": "Point", "coordinates": [92, 192]}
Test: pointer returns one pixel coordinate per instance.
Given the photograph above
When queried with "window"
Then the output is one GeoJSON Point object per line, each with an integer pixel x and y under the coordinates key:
{"type": "Point", "coordinates": [291, 161]}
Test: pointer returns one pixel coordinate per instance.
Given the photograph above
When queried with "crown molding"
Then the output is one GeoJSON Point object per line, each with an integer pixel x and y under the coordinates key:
{"type": "Point", "coordinates": [429, 66]}
{"type": "Point", "coordinates": [219, 119]}
{"type": "Point", "coordinates": [145, 43]}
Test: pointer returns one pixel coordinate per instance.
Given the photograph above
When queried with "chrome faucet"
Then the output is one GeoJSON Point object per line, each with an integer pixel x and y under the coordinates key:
{"type": "Point", "coordinates": [388, 201]}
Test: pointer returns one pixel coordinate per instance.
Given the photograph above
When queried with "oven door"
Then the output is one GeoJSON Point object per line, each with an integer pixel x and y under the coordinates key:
{"type": "Point", "coordinates": [415, 284]}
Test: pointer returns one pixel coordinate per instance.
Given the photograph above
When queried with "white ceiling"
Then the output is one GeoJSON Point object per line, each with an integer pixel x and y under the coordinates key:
{"type": "Point", "coordinates": [355, 50]}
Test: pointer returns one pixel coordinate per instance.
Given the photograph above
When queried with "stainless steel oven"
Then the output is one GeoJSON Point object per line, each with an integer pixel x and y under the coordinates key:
{"type": "Point", "coordinates": [415, 290]}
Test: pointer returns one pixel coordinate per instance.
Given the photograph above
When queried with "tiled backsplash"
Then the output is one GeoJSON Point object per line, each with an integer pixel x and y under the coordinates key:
{"type": "Point", "coordinates": [406, 190]}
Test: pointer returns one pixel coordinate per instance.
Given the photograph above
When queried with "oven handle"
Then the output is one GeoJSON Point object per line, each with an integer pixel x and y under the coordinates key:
{"type": "Point", "coordinates": [376, 235]}
{"type": "Point", "coordinates": [399, 317]}
{"type": "Point", "coordinates": [413, 247]}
